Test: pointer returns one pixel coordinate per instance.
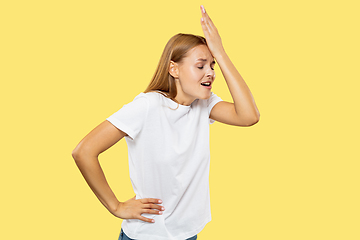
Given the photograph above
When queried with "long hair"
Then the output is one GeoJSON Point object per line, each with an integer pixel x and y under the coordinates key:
{"type": "Point", "coordinates": [175, 50]}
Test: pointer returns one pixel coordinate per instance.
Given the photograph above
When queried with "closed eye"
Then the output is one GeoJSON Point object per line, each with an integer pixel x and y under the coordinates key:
{"type": "Point", "coordinates": [203, 67]}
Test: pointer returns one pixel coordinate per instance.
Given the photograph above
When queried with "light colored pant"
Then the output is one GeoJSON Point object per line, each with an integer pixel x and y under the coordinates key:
{"type": "Point", "coordinates": [124, 237]}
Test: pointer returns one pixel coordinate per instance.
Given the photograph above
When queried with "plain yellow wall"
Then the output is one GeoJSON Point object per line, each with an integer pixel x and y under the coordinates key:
{"type": "Point", "coordinates": [68, 65]}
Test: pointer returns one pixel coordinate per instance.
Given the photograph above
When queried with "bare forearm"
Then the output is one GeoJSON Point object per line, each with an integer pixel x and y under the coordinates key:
{"type": "Point", "coordinates": [94, 176]}
{"type": "Point", "coordinates": [240, 92]}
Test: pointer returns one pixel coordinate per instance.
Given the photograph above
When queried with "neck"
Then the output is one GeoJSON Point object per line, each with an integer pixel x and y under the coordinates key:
{"type": "Point", "coordinates": [181, 97]}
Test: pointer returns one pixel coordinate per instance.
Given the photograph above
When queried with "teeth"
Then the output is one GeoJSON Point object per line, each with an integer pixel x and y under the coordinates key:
{"type": "Point", "coordinates": [205, 84]}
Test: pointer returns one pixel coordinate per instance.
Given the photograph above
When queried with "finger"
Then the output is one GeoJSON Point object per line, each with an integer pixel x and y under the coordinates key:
{"type": "Point", "coordinates": [149, 211]}
{"type": "Point", "coordinates": [154, 206]}
{"type": "Point", "coordinates": [204, 14]}
{"type": "Point", "coordinates": [146, 219]}
{"type": "Point", "coordinates": [150, 200]}
{"type": "Point", "coordinates": [206, 25]}
{"type": "Point", "coordinates": [209, 22]}
{"type": "Point", "coordinates": [202, 10]}
{"type": "Point", "coordinates": [207, 31]}
{"type": "Point", "coordinates": [207, 18]}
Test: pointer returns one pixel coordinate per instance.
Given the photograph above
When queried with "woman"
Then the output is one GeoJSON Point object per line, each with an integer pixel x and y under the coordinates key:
{"type": "Point", "coordinates": [167, 132]}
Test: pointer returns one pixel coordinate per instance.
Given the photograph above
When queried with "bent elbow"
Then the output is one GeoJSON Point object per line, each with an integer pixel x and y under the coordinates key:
{"type": "Point", "coordinates": [252, 122]}
{"type": "Point", "coordinates": [255, 122]}
{"type": "Point", "coordinates": [77, 154]}
{"type": "Point", "coordinates": [257, 119]}
{"type": "Point", "coordinates": [83, 154]}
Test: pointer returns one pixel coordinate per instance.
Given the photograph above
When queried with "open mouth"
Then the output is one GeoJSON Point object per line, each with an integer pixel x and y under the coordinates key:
{"type": "Point", "coordinates": [206, 84]}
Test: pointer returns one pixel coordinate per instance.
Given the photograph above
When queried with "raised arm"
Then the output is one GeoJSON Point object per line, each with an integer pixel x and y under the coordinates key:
{"type": "Point", "coordinates": [243, 112]}
{"type": "Point", "coordinates": [86, 155]}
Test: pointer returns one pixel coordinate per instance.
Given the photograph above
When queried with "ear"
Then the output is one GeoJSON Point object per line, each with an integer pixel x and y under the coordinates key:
{"type": "Point", "coordinates": [174, 69]}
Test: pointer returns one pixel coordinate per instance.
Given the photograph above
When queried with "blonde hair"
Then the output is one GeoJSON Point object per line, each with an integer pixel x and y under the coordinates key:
{"type": "Point", "coordinates": [175, 50]}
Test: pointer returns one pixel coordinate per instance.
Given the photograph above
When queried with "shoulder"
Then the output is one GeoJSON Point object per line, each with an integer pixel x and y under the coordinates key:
{"type": "Point", "coordinates": [153, 99]}
{"type": "Point", "coordinates": [149, 96]}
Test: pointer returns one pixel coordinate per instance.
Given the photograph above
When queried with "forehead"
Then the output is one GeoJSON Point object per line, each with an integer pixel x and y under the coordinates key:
{"type": "Point", "coordinates": [200, 51]}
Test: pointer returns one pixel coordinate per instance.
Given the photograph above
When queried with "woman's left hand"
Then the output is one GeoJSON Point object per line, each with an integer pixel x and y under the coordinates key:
{"type": "Point", "coordinates": [211, 34]}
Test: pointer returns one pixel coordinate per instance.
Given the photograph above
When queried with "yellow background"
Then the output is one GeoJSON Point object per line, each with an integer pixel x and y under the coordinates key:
{"type": "Point", "coordinates": [68, 65]}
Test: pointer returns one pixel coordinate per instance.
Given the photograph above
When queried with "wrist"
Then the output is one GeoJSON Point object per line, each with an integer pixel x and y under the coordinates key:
{"type": "Point", "coordinates": [220, 55]}
{"type": "Point", "coordinates": [114, 207]}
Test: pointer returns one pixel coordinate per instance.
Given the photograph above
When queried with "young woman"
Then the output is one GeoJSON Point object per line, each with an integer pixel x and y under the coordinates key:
{"type": "Point", "coordinates": [167, 132]}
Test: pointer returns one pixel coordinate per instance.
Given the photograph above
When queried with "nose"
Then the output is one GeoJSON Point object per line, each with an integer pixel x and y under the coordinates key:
{"type": "Point", "coordinates": [211, 73]}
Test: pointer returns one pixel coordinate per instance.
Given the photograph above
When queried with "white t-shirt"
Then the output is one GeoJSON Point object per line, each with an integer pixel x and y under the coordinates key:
{"type": "Point", "coordinates": [169, 158]}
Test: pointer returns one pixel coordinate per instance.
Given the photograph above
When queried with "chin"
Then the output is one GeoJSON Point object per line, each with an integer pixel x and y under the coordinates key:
{"type": "Point", "coordinates": [204, 97]}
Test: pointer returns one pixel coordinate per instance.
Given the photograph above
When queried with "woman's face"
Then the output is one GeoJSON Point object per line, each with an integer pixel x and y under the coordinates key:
{"type": "Point", "coordinates": [195, 75]}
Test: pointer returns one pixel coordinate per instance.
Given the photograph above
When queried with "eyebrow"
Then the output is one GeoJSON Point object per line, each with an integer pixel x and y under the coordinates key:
{"type": "Point", "coordinates": [204, 60]}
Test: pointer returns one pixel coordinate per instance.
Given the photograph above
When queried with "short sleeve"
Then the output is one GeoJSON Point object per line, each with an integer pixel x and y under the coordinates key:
{"type": "Point", "coordinates": [132, 116]}
{"type": "Point", "coordinates": [214, 99]}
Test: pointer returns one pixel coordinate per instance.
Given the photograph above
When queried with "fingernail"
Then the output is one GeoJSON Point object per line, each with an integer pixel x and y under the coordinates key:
{"type": "Point", "coordinates": [162, 208]}
{"type": "Point", "coordinates": [160, 201]}
{"type": "Point", "coordinates": [203, 9]}
{"type": "Point", "coordinates": [160, 212]}
{"type": "Point", "coordinates": [153, 220]}
{"type": "Point", "coordinates": [202, 19]}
